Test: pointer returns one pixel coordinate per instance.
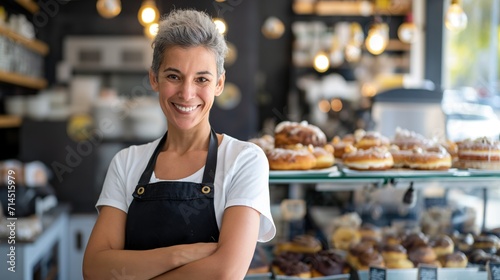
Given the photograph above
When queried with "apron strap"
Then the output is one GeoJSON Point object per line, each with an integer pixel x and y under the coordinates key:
{"type": "Point", "coordinates": [210, 164]}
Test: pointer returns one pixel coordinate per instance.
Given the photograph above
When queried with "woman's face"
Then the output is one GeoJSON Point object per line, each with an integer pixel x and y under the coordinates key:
{"type": "Point", "coordinates": [187, 85]}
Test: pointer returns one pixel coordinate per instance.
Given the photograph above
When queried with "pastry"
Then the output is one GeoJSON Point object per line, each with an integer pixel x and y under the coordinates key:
{"type": "Point", "coordinates": [291, 133]}
{"type": "Point", "coordinates": [429, 160]}
{"type": "Point", "coordinates": [442, 245]}
{"type": "Point", "coordinates": [300, 244]}
{"type": "Point", "coordinates": [407, 140]}
{"type": "Point", "coordinates": [400, 157]}
{"type": "Point", "coordinates": [464, 242]}
{"type": "Point", "coordinates": [456, 259]}
{"type": "Point", "coordinates": [291, 264]}
{"type": "Point", "coordinates": [392, 253]}
{"type": "Point", "coordinates": [372, 159]}
{"type": "Point", "coordinates": [344, 237]}
{"type": "Point", "coordinates": [371, 139]}
{"type": "Point", "coordinates": [340, 144]}
{"type": "Point", "coordinates": [370, 231]}
{"type": "Point", "coordinates": [266, 142]}
{"type": "Point", "coordinates": [488, 243]}
{"type": "Point", "coordinates": [423, 254]}
{"type": "Point", "coordinates": [355, 250]}
{"type": "Point", "coordinates": [326, 263]}
{"type": "Point", "coordinates": [369, 259]}
{"type": "Point", "coordinates": [414, 240]}
{"type": "Point", "coordinates": [480, 153]}
{"type": "Point", "coordinates": [324, 156]}
{"type": "Point", "coordinates": [288, 159]}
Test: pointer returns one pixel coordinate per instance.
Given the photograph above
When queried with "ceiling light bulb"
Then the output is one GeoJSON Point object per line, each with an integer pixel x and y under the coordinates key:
{"type": "Point", "coordinates": [151, 30]}
{"type": "Point", "coordinates": [352, 52]}
{"type": "Point", "coordinates": [221, 25]}
{"type": "Point", "coordinates": [321, 62]}
{"type": "Point", "coordinates": [273, 28]}
{"type": "Point", "coordinates": [406, 32]}
{"type": "Point", "coordinates": [148, 13]}
{"type": "Point", "coordinates": [456, 19]}
{"type": "Point", "coordinates": [109, 8]}
{"type": "Point", "coordinates": [377, 39]}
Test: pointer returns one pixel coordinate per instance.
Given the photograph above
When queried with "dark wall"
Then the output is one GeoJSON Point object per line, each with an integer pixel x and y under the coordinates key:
{"type": "Point", "coordinates": [242, 17]}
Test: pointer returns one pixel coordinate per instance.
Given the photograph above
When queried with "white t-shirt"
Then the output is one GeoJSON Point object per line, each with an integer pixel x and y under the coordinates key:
{"type": "Point", "coordinates": [241, 178]}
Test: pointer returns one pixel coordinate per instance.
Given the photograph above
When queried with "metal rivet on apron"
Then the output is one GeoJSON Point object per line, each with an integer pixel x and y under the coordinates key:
{"type": "Point", "coordinates": [140, 190]}
{"type": "Point", "coordinates": [205, 189]}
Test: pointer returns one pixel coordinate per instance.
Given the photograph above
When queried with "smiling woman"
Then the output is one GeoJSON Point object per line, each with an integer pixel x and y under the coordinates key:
{"type": "Point", "coordinates": [193, 204]}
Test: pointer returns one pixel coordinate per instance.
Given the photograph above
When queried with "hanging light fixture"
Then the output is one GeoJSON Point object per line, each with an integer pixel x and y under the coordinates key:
{"type": "Point", "coordinates": [407, 30]}
{"type": "Point", "coordinates": [456, 19]}
{"type": "Point", "coordinates": [148, 13]}
{"type": "Point", "coordinates": [321, 62]}
{"type": "Point", "coordinates": [221, 25]}
{"type": "Point", "coordinates": [151, 30]}
{"type": "Point", "coordinates": [378, 37]}
{"type": "Point", "coordinates": [273, 28]}
{"type": "Point", "coordinates": [109, 8]}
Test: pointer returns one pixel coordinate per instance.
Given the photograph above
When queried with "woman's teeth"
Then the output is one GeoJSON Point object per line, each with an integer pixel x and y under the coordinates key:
{"type": "Point", "coordinates": [185, 109]}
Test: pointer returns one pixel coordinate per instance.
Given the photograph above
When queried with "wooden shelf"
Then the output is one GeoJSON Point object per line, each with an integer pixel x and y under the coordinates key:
{"type": "Point", "coordinates": [22, 80]}
{"type": "Point", "coordinates": [33, 44]}
{"type": "Point", "coordinates": [29, 5]}
{"type": "Point", "coordinates": [344, 8]}
{"type": "Point", "coordinates": [9, 121]}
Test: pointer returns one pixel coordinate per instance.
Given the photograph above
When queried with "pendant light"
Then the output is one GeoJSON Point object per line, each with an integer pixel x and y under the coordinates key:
{"type": "Point", "coordinates": [151, 30]}
{"type": "Point", "coordinates": [456, 19]}
{"type": "Point", "coordinates": [109, 8]}
{"type": "Point", "coordinates": [148, 13]}
{"type": "Point", "coordinates": [407, 30]}
{"type": "Point", "coordinates": [378, 37]}
{"type": "Point", "coordinates": [321, 62]}
{"type": "Point", "coordinates": [221, 25]}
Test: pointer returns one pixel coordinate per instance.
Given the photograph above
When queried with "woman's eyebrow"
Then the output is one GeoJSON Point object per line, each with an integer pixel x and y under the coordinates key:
{"type": "Point", "coordinates": [178, 71]}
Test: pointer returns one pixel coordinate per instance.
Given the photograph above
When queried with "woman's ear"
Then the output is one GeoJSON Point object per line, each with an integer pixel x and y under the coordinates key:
{"type": "Point", "coordinates": [220, 84]}
{"type": "Point", "coordinates": [153, 80]}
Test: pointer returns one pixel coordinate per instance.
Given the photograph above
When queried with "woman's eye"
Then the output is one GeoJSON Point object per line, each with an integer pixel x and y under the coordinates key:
{"type": "Point", "coordinates": [202, 79]}
{"type": "Point", "coordinates": [173, 77]}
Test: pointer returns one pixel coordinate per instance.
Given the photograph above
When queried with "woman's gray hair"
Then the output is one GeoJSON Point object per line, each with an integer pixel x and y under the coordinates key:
{"type": "Point", "coordinates": [188, 28]}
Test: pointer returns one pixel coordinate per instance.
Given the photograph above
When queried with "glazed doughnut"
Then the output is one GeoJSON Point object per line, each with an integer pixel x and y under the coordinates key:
{"type": "Point", "coordinates": [391, 238]}
{"type": "Point", "coordinates": [355, 250]}
{"type": "Point", "coordinates": [291, 133]}
{"type": "Point", "coordinates": [340, 144]}
{"type": "Point", "coordinates": [464, 242]}
{"type": "Point", "coordinates": [481, 153]}
{"type": "Point", "coordinates": [324, 156]}
{"type": "Point", "coordinates": [370, 232]}
{"type": "Point", "coordinates": [288, 159]}
{"type": "Point", "coordinates": [371, 139]}
{"type": "Point", "coordinates": [291, 265]}
{"type": "Point", "coordinates": [423, 254]}
{"type": "Point", "coordinates": [429, 160]}
{"type": "Point", "coordinates": [306, 244]}
{"type": "Point", "coordinates": [442, 245]}
{"type": "Point", "coordinates": [376, 158]}
{"type": "Point", "coordinates": [344, 237]}
{"type": "Point", "coordinates": [392, 253]}
{"type": "Point", "coordinates": [370, 258]}
{"type": "Point", "coordinates": [326, 264]}
{"type": "Point", "coordinates": [400, 157]}
{"type": "Point", "coordinates": [488, 243]}
{"type": "Point", "coordinates": [414, 240]}
{"type": "Point", "coordinates": [265, 142]}
{"type": "Point", "coordinates": [456, 259]}
{"type": "Point", "coordinates": [407, 140]}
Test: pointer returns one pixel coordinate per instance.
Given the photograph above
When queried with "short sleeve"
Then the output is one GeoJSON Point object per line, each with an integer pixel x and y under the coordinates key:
{"type": "Point", "coordinates": [249, 186]}
{"type": "Point", "coordinates": [114, 188]}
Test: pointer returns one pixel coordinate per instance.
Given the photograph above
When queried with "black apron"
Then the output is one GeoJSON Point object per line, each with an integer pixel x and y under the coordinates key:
{"type": "Point", "coordinates": [170, 213]}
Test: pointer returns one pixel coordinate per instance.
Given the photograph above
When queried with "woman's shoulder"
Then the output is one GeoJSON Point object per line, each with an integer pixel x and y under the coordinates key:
{"type": "Point", "coordinates": [234, 144]}
{"type": "Point", "coordinates": [137, 151]}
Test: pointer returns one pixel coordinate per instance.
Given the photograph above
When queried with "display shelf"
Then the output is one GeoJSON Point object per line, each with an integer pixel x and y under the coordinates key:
{"type": "Point", "coordinates": [29, 5]}
{"type": "Point", "coordinates": [346, 8]}
{"type": "Point", "coordinates": [33, 44]}
{"type": "Point", "coordinates": [8, 121]}
{"type": "Point", "coordinates": [22, 80]}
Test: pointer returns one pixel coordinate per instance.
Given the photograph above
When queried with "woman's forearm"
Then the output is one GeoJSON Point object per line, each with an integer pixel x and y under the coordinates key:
{"type": "Point", "coordinates": [138, 265]}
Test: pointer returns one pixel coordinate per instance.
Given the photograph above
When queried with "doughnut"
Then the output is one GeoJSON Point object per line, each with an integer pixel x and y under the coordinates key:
{"type": "Point", "coordinates": [399, 264]}
{"type": "Point", "coordinates": [429, 160]}
{"type": "Point", "coordinates": [370, 258]}
{"type": "Point", "coordinates": [306, 244]}
{"type": "Point", "coordinates": [442, 245]}
{"type": "Point", "coordinates": [414, 240]}
{"type": "Point", "coordinates": [375, 158]}
{"type": "Point", "coordinates": [326, 264]}
{"type": "Point", "coordinates": [481, 153]}
{"type": "Point", "coordinates": [400, 157]}
{"type": "Point", "coordinates": [464, 242]}
{"type": "Point", "coordinates": [291, 265]}
{"type": "Point", "coordinates": [344, 237]}
{"type": "Point", "coordinates": [355, 250]}
{"type": "Point", "coordinates": [371, 139]}
{"type": "Point", "coordinates": [324, 156]}
{"type": "Point", "coordinates": [292, 133]}
{"type": "Point", "coordinates": [479, 256]}
{"type": "Point", "coordinates": [370, 232]}
{"type": "Point", "coordinates": [340, 144]}
{"type": "Point", "coordinates": [456, 259]}
{"type": "Point", "coordinates": [266, 142]}
{"type": "Point", "coordinates": [288, 159]}
{"type": "Point", "coordinates": [488, 243]}
{"type": "Point", "coordinates": [391, 238]}
{"type": "Point", "coordinates": [423, 254]}
{"type": "Point", "coordinates": [392, 253]}
{"type": "Point", "coordinates": [407, 140]}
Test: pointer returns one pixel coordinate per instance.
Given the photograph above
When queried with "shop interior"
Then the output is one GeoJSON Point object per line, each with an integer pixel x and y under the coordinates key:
{"type": "Point", "coordinates": [74, 90]}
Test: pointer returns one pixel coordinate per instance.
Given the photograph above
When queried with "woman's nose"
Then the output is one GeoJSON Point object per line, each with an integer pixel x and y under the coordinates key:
{"type": "Point", "coordinates": [187, 91]}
